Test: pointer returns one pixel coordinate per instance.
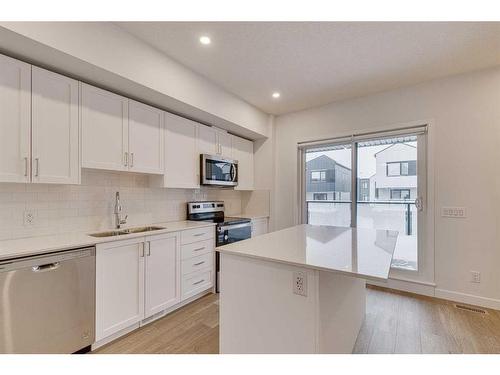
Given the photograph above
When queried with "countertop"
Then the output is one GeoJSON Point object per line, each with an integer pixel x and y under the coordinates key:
{"type": "Point", "coordinates": [358, 252]}
{"type": "Point", "coordinates": [45, 244]}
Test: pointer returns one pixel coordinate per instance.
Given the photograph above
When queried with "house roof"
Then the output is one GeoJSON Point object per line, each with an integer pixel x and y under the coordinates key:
{"type": "Point", "coordinates": [388, 147]}
{"type": "Point", "coordinates": [327, 159]}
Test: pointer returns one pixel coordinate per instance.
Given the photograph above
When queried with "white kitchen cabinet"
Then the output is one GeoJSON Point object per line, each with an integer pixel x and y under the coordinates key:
{"type": "Point", "coordinates": [213, 141]}
{"type": "Point", "coordinates": [15, 118]}
{"type": "Point", "coordinates": [243, 152]}
{"type": "Point", "coordinates": [119, 286]}
{"type": "Point", "coordinates": [104, 123]}
{"type": "Point", "coordinates": [182, 159]}
{"type": "Point", "coordinates": [162, 271]}
{"type": "Point", "coordinates": [260, 226]}
{"type": "Point", "coordinates": [55, 128]}
{"type": "Point", "coordinates": [146, 138]}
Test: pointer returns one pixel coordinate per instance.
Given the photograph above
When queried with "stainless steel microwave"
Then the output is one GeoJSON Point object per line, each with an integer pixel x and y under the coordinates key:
{"type": "Point", "coordinates": [218, 171]}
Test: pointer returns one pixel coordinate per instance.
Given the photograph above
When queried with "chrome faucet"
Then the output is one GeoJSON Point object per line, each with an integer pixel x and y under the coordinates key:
{"type": "Point", "coordinates": [118, 212]}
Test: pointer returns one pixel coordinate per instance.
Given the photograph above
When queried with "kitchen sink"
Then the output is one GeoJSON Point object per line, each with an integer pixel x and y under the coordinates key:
{"type": "Point", "coordinates": [121, 232]}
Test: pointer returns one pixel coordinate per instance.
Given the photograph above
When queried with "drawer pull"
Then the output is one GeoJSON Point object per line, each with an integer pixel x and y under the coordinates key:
{"type": "Point", "coordinates": [199, 263]}
{"type": "Point", "coordinates": [199, 282]}
{"type": "Point", "coordinates": [199, 249]}
{"type": "Point", "coordinates": [199, 234]}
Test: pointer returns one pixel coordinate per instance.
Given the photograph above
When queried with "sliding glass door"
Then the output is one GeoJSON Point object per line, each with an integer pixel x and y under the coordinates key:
{"type": "Point", "coordinates": [369, 181]}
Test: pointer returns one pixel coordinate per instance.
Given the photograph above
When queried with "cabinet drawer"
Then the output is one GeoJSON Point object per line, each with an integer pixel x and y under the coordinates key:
{"type": "Point", "coordinates": [198, 234]}
{"type": "Point", "coordinates": [196, 283]}
{"type": "Point", "coordinates": [197, 248]}
{"type": "Point", "coordinates": [197, 263]}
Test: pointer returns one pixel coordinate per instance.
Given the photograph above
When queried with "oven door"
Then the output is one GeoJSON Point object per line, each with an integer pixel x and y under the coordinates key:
{"type": "Point", "coordinates": [233, 233]}
{"type": "Point", "coordinates": [218, 171]}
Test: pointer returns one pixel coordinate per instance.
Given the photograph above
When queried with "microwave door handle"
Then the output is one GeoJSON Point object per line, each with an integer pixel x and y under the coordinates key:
{"type": "Point", "coordinates": [233, 173]}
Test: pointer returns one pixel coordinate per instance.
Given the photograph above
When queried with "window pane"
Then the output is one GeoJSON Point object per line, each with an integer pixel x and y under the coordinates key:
{"type": "Point", "coordinates": [328, 179]}
{"type": "Point", "coordinates": [383, 164]}
{"type": "Point", "coordinates": [393, 169]}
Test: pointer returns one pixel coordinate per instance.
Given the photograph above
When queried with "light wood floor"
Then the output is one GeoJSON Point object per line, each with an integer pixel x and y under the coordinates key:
{"type": "Point", "coordinates": [395, 323]}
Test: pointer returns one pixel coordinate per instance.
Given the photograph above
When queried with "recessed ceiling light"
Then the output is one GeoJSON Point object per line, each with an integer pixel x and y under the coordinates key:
{"type": "Point", "coordinates": [205, 40]}
{"type": "Point", "coordinates": [276, 95]}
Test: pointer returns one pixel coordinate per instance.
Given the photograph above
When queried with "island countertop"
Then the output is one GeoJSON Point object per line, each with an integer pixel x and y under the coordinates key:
{"type": "Point", "coordinates": [358, 252]}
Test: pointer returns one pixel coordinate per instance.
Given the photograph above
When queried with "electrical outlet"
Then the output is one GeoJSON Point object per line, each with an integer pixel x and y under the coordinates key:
{"type": "Point", "coordinates": [475, 277]}
{"type": "Point", "coordinates": [29, 217]}
{"type": "Point", "coordinates": [300, 283]}
{"type": "Point", "coordinates": [457, 212]}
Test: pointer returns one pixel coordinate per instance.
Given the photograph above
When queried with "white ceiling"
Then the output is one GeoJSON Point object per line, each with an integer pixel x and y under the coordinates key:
{"type": "Point", "coordinates": [314, 63]}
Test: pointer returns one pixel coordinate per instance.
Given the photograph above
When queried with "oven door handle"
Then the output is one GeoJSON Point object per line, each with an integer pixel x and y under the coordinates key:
{"type": "Point", "coordinates": [236, 226]}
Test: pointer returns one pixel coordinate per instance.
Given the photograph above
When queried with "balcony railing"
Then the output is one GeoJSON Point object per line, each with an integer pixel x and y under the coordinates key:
{"type": "Point", "coordinates": [397, 215]}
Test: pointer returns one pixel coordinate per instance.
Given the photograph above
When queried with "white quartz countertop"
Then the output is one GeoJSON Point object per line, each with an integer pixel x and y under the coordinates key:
{"type": "Point", "coordinates": [365, 253]}
{"type": "Point", "coordinates": [45, 244]}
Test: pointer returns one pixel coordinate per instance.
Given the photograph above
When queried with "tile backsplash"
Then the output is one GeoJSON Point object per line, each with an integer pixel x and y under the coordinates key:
{"type": "Point", "coordinates": [89, 206]}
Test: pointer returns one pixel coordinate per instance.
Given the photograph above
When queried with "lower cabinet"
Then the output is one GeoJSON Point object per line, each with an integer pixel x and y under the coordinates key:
{"type": "Point", "coordinates": [119, 286]}
{"type": "Point", "coordinates": [139, 278]}
{"type": "Point", "coordinates": [260, 226]}
{"type": "Point", "coordinates": [163, 288]}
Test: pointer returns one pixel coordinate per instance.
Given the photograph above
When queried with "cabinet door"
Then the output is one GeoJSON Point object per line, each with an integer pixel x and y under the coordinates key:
{"type": "Point", "coordinates": [225, 144]}
{"type": "Point", "coordinates": [162, 273]}
{"type": "Point", "coordinates": [145, 132]}
{"type": "Point", "coordinates": [243, 152]}
{"type": "Point", "coordinates": [119, 286]}
{"type": "Point", "coordinates": [104, 122]}
{"type": "Point", "coordinates": [207, 140]}
{"type": "Point", "coordinates": [15, 117]}
{"type": "Point", "coordinates": [55, 130]}
{"type": "Point", "coordinates": [182, 159]}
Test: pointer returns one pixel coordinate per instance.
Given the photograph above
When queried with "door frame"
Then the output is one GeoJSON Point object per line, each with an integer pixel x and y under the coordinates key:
{"type": "Point", "coordinates": [425, 171]}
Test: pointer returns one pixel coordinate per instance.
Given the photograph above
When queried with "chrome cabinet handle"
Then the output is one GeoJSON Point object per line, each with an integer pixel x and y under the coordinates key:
{"type": "Point", "coordinates": [26, 166]}
{"type": "Point", "coordinates": [37, 167]}
{"type": "Point", "coordinates": [199, 263]}
{"type": "Point", "coordinates": [142, 250]}
{"type": "Point", "coordinates": [199, 234]}
{"type": "Point", "coordinates": [199, 249]}
{"type": "Point", "coordinates": [149, 249]}
{"type": "Point", "coordinates": [125, 159]}
{"type": "Point", "coordinates": [199, 282]}
{"type": "Point", "coordinates": [131, 160]}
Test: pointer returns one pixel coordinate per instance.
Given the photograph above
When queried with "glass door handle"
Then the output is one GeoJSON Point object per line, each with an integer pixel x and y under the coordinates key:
{"type": "Point", "coordinates": [419, 204]}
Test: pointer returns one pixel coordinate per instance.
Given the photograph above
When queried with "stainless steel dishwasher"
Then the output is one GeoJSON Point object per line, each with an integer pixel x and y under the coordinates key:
{"type": "Point", "coordinates": [47, 302]}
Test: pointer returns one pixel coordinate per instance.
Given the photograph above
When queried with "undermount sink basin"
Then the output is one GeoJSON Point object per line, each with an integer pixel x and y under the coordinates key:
{"type": "Point", "coordinates": [122, 232]}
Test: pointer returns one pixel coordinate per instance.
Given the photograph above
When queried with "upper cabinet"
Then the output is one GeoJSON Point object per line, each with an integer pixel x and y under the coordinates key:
{"type": "Point", "coordinates": [145, 135]}
{"type": "Point", "coordinates": [15, 118]}
{"type": "Point", "coordinates": [182, 159]}
{"type": "Point", "coordinates": [243, 152]}
{"type": "Point", "coordinates": [214, 141]}
{"type": "Point", "coordinates": [55, 130]}
{"type": "Point", "coordinates": [120, 134]}
{"type": "Point", "coordinates": [39, 125]}
{"type": "Point", "coordinates": [104, 117]}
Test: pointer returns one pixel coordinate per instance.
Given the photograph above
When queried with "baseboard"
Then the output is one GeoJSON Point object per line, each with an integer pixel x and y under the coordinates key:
{"type": "Point", "coordinates": [424, 289]}
{"type": "Point", "coordinates": [470, 299]}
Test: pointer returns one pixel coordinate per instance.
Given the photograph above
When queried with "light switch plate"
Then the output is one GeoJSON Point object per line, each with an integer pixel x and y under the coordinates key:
{"type": "Point", "coordinates": [457, 212]}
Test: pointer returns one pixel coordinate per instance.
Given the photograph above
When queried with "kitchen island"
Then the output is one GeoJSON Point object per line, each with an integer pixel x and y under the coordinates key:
{"type": "Point", "coordinates": [301, 289]}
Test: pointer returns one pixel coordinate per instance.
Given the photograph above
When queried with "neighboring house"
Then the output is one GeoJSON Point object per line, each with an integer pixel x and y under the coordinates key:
{"type": "Point", "coordinates": [395, 177]}
{"type": "Point", "coordinates": [327, 180]}
{"type": "Point", "coordinates": [396, 174]}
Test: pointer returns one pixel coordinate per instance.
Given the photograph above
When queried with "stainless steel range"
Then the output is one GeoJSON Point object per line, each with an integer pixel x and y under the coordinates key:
{"type": "Point", "coordinates": [227, 230]}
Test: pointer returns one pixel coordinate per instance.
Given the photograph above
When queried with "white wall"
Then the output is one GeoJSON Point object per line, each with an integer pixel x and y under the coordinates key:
{"type": "Point", "coordinates": [110, 51]}
{"type": "Point", "coordinates": [464, 112]}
